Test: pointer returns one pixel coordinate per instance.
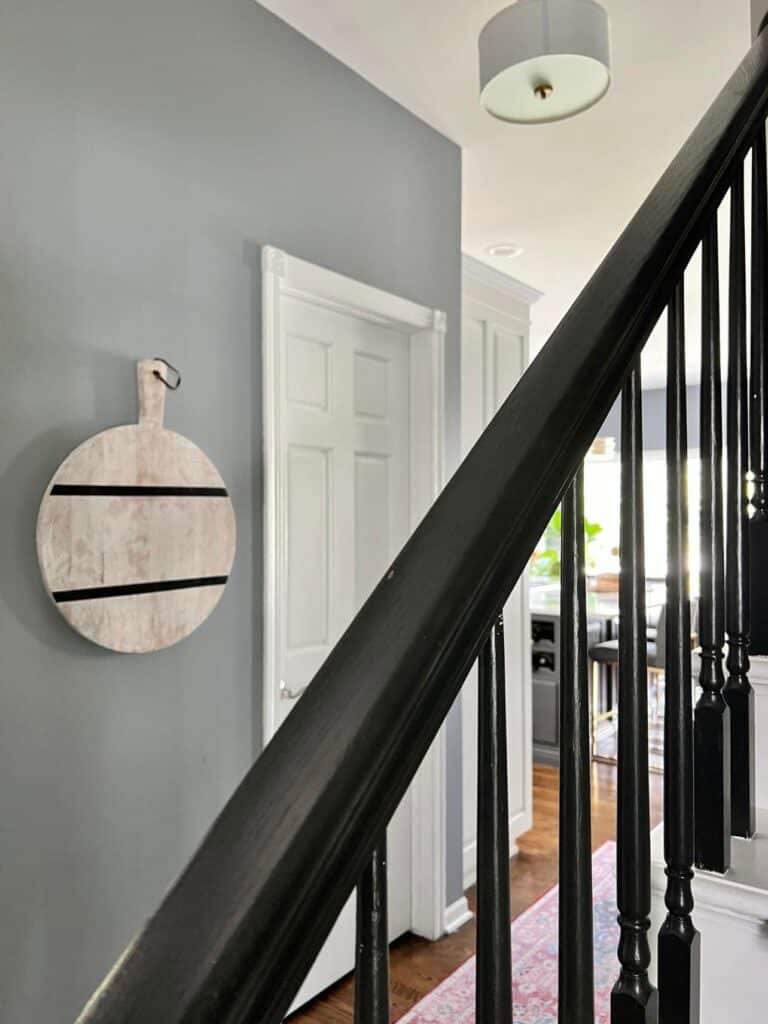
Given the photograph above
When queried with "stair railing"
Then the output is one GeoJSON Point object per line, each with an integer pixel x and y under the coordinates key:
{"type": "Point", "coordinates": [237, 933]}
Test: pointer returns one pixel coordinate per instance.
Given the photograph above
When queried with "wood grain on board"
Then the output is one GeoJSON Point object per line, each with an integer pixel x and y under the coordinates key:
{"type": "Point", "coordinates": [136, 532]}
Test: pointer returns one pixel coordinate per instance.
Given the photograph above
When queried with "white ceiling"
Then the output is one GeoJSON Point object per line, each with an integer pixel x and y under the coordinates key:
{"type": "Point", "coordinates": [562, 191]}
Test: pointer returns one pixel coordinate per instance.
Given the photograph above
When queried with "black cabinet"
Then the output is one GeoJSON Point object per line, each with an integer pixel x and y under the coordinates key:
{"type": "Point", "coordinates": [545, 655]}
{"type": "Point", "coordinates": [545, 659]}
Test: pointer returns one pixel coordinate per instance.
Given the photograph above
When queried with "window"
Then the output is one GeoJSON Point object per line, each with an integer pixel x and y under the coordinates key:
{"type": "Point", "coordinates": [602, 486]}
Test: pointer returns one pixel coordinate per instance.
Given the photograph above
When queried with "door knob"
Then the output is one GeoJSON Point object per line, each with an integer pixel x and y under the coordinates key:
{"type": "Point", "coordinates": [286, 693]}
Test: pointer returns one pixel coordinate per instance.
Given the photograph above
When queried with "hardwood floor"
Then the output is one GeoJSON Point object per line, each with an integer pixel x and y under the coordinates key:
{"type": "Point", "coordinates": [418, 966]}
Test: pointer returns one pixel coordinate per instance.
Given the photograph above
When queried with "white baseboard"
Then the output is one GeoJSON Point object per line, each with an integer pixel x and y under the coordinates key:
{"type": "Point", "coordinates": [457, 915]}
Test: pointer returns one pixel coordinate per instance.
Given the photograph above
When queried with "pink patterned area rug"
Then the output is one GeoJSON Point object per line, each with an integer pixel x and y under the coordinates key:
{"type": "Point", "coordinates": [534, 960]}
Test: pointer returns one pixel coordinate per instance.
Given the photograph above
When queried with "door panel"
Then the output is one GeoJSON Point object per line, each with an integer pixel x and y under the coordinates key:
{"type": "Point", "coordinates": [307, 372]}
{"type": "Point", "coordinates": [308, 487]}
{"type": "Point", "coordinates": [345, 515]}
{"type": "Point", "coordinates": [371, 521]}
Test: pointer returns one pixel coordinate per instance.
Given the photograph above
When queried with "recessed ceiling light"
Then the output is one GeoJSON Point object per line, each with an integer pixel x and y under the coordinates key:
{"type": "Point", "coordinates": [506, 251]}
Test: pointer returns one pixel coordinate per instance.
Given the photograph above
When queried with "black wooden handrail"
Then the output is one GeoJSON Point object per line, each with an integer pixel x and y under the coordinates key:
{"type": "Point", "coordinates": [237, 933]}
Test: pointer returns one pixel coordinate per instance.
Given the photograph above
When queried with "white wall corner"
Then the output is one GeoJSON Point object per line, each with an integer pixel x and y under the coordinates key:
{"type": "Point", "coordinates": [457, 915]}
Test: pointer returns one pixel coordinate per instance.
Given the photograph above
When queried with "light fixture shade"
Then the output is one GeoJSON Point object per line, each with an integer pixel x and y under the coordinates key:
{"type": "Point", "coordinates": [544, 60]}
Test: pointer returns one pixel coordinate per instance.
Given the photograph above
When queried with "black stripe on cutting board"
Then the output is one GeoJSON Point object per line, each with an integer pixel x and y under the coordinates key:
{"type": "Point", "coordinates": [131, 589]}
{"type": "Point", "coordinates": [131, 491]}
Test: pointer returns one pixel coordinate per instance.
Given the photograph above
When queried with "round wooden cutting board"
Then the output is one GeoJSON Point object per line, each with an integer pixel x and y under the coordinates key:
{"type": "Point", "coordinates": [136, 531]}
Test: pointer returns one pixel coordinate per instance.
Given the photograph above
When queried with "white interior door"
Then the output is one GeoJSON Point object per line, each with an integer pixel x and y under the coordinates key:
{"type": "Point", "coordinates": [494, 353]}
{"type": "Point", "coordinates": [346, 514]}
{"type": "Point", "coordinates": [346, 475]}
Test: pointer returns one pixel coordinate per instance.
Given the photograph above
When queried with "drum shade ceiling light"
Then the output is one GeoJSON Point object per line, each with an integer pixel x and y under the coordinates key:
{"type": "Point", "coordinates": [544, 60]}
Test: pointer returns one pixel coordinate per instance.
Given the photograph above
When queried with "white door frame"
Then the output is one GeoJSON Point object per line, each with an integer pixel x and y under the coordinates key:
{"type": "Point", "coordinates": [502, 304]}
{"type": "Point", "coordinates": [284, 275]}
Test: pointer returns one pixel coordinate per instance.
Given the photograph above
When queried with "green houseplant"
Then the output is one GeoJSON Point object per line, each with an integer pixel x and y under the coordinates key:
{"type": "Point", "coordinates": [546, 559]}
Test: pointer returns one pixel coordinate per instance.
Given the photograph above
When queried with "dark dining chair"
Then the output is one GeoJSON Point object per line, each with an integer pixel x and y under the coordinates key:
{"type": "Point", "coordinates": [606, 653]}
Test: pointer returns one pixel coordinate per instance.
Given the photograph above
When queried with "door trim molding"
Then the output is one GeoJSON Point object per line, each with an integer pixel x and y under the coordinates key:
{"type": "Point", "coordinates": [287, 276]}
{"type": "Point", "coordinates": [457, 915]}
{"type": "Point", "coordinates": [502, 304]}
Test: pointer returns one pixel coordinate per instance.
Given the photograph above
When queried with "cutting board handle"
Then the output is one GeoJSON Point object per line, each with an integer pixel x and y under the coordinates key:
{"type": "Point", "coordinates": [151, 392]}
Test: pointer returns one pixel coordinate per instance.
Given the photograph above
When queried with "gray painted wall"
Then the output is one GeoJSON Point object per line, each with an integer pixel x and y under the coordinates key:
{"type": "Point", "coordinates": [655, 418]}
{"type": "Point", "coordinates": [149, 149]}
{"type": "Point", "coordinates": [454, 816]}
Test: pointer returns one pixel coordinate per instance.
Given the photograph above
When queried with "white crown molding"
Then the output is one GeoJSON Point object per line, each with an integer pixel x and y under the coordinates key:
{"type": "Point", "coordinates": [439, 321]}
{"type": "Point", "coordinates": [273, 261]}
{"type": "Point", "coordinates": [328, 289]}
{"type": "Point", "coordinates": [487, 275]}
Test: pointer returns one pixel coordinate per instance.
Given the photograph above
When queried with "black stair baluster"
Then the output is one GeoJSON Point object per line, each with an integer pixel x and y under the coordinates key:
{"type": "Point", "coordinates": [758, 406]}
{"type": "Point", "coordinates": [679, 941]}
{"type": "Point", "coordinates": [372, 959]}
{"type": "Point", "coordinates": [738, 692]}
{"type": "Point", "coordinates": [758, 398]}
{"type": "Point", "coordinates": [576, 1000]}
{"type": "Point", "coordinates": [494, 946]}
{"type": "Point", "coordinates": [634, 1000]}
{"type": "Point", "coordinates": [712, 721]}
